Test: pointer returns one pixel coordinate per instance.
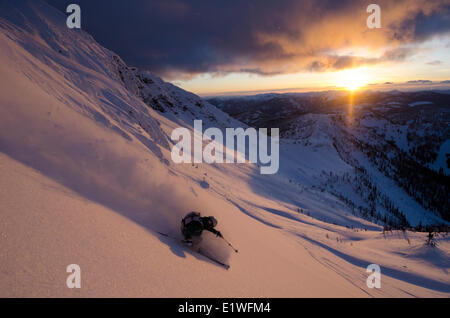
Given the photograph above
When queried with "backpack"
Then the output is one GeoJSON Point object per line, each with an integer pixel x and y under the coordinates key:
{"type": "Point", "coordinates": [192, 224]}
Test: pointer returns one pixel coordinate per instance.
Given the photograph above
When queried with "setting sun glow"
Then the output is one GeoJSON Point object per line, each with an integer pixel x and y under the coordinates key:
{"type": "Point", "coordinates": [352, 79]}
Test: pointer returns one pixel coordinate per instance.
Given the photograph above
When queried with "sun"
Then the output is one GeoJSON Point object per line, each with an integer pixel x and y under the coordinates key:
{"type": "Point", "coordinates": [352, 79]}
{"type": "Point", "coordinates": [353, 84]}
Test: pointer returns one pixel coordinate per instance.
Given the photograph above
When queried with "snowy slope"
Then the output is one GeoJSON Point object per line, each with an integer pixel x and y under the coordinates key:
{"type": "Point", "coordinates": [386, 161]}
{"type": "Point", "coordinates": [86, 178]}
{"type": "Point", "coordinates": [335, 155]}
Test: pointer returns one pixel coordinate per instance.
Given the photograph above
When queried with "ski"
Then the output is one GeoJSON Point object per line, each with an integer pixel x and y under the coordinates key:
{"type": "Point", "coordinates": [164, 234]}
{"type": "Point", "coordinates": [226, 266]}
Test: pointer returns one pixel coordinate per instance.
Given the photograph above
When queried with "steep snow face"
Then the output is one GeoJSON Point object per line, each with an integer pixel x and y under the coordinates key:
{"type": "Point", "coordinates": [71, 67]}
{"type": "Point", "coordinates": [65, 112]}
{"type": "Point", "coordinates": [87, 179]}
{"type": "Point", "coordinates": [169, 100]}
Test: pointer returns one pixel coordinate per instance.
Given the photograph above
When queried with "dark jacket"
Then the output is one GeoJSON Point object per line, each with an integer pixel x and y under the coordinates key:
{"type": "Point", "coordinates": [196, 226]}
{"type": "Point", "coordinates": [207, 226]}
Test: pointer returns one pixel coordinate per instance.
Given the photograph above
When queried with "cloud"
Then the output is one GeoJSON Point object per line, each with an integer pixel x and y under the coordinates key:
{"type": "Point", "coordinates": [419, 82]}
{"type": "Point", "coordinates": [437, 62]}
{"type": "Point", "coordinates": [176, 38]}
{"type": "Point", "coordinates": [339, 62]}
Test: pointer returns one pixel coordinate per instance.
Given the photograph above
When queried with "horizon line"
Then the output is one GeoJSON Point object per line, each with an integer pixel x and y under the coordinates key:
{"type": "Point", "coordinates": [414, 85]}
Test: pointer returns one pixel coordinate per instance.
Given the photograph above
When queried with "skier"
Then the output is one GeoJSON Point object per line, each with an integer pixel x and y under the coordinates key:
{"type": "Point", "coordinates": [193, 225]}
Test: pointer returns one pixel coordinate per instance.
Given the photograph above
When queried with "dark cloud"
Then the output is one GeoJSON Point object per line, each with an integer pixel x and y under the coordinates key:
{"type": "Point", "coordinates": [186, 37]}
{"type": "Point", "coordinates": [430, 25]}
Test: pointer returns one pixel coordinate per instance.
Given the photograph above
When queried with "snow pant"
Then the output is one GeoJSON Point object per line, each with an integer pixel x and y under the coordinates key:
{"type": "Point", "coordinates": [193, 231]}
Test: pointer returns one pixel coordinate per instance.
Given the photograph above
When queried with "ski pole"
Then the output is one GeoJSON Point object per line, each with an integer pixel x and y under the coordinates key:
{"type": "Point", "coordinates": [229, 244]}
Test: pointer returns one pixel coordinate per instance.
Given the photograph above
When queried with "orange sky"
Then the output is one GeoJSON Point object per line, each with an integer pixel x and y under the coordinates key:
{"type": "Point", "coordinates": [432, 62]}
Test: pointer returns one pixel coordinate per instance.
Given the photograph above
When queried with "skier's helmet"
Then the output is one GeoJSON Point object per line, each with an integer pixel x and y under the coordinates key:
{"type": "Point", "coordinates": [193, 214]}
{"type": "Point", "coordinates": [212, 221]}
